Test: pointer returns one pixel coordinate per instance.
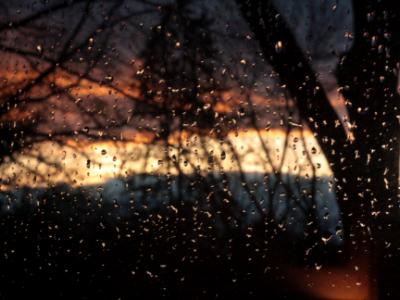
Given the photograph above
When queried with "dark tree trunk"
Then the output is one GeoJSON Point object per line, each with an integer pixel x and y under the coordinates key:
{"type": "Point", "coordinates": [369, 77]}
{"type": "Point", "coordinates": [366, 170]}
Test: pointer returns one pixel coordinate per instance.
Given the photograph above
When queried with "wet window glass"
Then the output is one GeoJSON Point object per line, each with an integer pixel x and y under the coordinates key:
{"type": "Point", "coordinates": [199, 149]}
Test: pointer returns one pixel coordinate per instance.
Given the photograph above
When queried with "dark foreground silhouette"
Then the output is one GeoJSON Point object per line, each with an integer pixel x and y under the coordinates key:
{"type": "Point", "coordinates": [65, 243]}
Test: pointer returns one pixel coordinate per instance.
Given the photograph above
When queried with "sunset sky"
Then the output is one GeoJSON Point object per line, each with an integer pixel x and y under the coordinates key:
{"type": "Point", "coordinates": [91, 105]}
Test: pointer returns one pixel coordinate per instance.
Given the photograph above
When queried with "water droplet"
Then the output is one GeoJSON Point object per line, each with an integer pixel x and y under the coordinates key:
{"type": "Point", "coordinates": [278, 47]}
{"type": "Point", "coordinates": [223, 155]}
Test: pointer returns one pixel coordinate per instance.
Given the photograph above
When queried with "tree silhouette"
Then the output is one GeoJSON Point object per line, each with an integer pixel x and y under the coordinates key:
{"type": "Point", "coordinates": [178, 83]}
{"type": "Point", "coordinates": [56, 59]}
{"type": "Point", "coordinates": [366, 168]}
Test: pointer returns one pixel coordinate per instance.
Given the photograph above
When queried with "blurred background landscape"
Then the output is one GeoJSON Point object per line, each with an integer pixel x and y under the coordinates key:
{"type": "Point", "coordinates": [148, 149]}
